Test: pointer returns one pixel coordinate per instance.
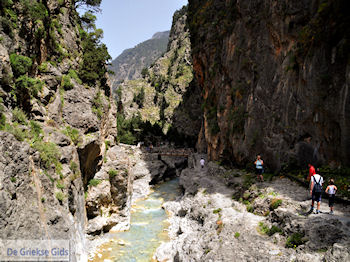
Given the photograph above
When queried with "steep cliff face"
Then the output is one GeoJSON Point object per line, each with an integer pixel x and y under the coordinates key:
{"type": "Point", "coordinates": [275, 79]}
{"type": "Point", "coordinates": [58, 121]}
{"type": "Point", "coordinates": [166, 93]}
{"type": "Point", "coordinates": [129, 64]}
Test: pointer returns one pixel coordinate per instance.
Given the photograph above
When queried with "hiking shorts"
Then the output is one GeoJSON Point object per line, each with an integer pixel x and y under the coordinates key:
{"type": "Point", "coordinates": [259, 171]}
{"type": "Point", "coordinates": [316, 197]}
{"type": "Point", "coordinates": [331, 200]}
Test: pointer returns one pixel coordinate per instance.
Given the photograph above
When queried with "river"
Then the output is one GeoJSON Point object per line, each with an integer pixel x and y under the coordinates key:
{"type": "Point", "coordinates": [148, 228]}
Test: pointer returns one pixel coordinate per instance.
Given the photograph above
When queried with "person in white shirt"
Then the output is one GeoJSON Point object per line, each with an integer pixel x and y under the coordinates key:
{"type": "Point", "coordinates": [202, 161]}
{"type": "Point", "coordinates": [331, 190]}
{"type": "Point", "coordinates": [316, 191]}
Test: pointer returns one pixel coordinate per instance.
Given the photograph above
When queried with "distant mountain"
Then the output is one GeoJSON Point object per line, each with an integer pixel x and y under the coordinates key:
{"type": "Point", "coordinates": [129, 64]}
{"type": "Point", "coordinates": [161, 35]}
{"type": "Point", "coordinates": [165, 94]}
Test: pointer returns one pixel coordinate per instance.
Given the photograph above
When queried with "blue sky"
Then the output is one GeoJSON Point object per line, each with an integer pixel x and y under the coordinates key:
{"type": "Point", "coordinates": [126, 23]}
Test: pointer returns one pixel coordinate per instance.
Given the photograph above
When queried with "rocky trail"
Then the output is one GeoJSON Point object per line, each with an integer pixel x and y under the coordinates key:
{"type": "Point", "coordinates": [235, 79]}
{"type": "Point", "coordinates": [208, 224]}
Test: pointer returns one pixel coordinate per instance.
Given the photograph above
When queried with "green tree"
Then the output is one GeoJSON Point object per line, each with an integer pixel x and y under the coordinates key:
{"type": "Point", "coordinates": [139, 99]}
{"type": "Point", "coordinates": [145, 72]}
{"type": "Point", "coordinates": [163, 106]}
{"type": "Point", "coordinates": [88, 21]}
{"type": "Point", "coordinates": [93, 67]}
{"type": "Point", "coordinates": [90, 4]}
{"type": "Point", "coordinates": [35, 10]}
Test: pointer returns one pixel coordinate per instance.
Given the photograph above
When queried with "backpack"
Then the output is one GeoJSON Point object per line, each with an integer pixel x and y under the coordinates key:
{"type": "Point", "coordinates": [317, 186]}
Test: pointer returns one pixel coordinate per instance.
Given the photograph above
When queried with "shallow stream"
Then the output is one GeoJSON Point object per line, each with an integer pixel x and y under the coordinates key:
{"type": "Point", "coordinates": [148, 228]}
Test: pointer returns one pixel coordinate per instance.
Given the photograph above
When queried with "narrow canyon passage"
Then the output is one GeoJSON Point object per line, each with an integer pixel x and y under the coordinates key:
{"type": "Point", "coordinates": [148, 225]}
{"type": "Point", "coordinates": [108, 107]}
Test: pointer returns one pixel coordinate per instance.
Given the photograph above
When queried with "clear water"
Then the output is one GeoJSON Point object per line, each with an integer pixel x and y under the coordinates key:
{"type": "Point", "coordinates": [147, 229]}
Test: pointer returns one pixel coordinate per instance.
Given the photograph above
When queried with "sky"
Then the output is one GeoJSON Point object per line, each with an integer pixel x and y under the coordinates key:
{"type": "Point", "coordinates": [126, 23]}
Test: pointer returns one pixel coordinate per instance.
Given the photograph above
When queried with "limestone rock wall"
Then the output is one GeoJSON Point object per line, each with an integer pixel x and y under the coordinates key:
{"type": "Point", "coordinates": [55, 129]}
{"type": "Point", "coordinates": [275, 80]}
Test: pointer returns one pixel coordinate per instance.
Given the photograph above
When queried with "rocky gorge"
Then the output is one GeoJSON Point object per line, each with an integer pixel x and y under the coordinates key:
{"type": "Point", "coordinates": [238, 78]}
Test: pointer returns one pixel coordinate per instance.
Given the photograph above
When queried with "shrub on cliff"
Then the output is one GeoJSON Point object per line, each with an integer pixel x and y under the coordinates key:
{"type": "Point", "coordinates": [97, 105]}
{"type": "Point", "coordinates": [2, 116]}
{"type": "Point", "coordinates": [72, 133]}
{"type": "Point", "coordinates": [19, 116]}
{"type": "Point", "coordinates": [145, 72]}
{"type": "Point", "coordinates": [275, 203]}
{"type": "Point", "coordinates": [66, 83]}
{"type": "Point", "coordinates": [94, 182]}
{"type": "Point", "coordinates": [25, 86]}
{"type": "Point", "coordinates": [17, 131]}
{"type": "Point", "coordinates": [20, 64]}
{"type": "Point", "coordinates": [112, 173]}
{"type": "Point", "coordinates": [35, 130]}
{"type": "Point", "coordinates": [49, 154]}
{"type": "Point", "coordinates": [60, 196]}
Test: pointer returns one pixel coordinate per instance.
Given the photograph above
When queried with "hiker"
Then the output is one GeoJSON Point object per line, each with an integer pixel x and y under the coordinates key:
{"type": "Point", "coordinates": [259, 168]}
{"type": "Point", "coordinates": [331, 190]}
{"type": "Point", "coordinates": [202, 161]}
{"type": "Point", "coordinates": [316, 191]}
{"type": "Point", "coordinates": [311, 171]}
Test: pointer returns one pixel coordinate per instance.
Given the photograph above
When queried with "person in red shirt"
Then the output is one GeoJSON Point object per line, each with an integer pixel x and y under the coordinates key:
{"type": "Point", "coordinates": [311, 172]}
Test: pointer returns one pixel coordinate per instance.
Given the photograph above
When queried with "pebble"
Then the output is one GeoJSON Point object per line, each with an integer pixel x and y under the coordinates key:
{"type": "Point", "coordinates": [274, 252]}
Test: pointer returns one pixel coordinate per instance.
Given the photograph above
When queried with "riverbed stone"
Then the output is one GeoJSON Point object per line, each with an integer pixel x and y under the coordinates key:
{"type": "Point", "coordinates": [206, 224]}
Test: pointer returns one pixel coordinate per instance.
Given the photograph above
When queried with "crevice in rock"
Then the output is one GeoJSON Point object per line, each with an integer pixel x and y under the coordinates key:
{"type": "Point", "coordinates": [170, 172]}
{"type": "Point", "coordinates": [108, 227]}
{"type": "Point", "coordinates": [71, 204]}
{"type": "Point", "coordinates": [89, 158]}
{"type": "Point", "coordinates": [95, 233]}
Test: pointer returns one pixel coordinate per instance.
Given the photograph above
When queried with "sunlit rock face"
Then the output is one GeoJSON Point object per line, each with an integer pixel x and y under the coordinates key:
{"type": "Point", "coordinates": [167, 94]}
{"type": "Point", "coordinates": [275, 80]}
{"type": "Point", "coordinates": [55, 125]}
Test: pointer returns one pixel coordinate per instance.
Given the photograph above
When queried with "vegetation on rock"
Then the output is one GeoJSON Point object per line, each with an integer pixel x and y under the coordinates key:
{"type": "Point", "coordinates": [295, 240]}
{"type": "Point", "coordinates": [157, 96]}
{"type": "Point", "coordinates": [20, 64]}
{"type": "Point", "coordinates": [94, 182]}
{"type": "Point", "coordinates": [93, 67]}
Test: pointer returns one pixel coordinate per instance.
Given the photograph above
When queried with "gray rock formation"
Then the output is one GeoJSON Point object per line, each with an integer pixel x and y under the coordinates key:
{"type": "Point", "coordinates": [108, 200]}
{"type": "Point", "coordinates": [55, 128]}
{"type": "Point", "coordinates": [29, 206]}
{"type": "Point", "coordinates": [275, 80]}
{"type": "Point", "coordinates": [207, 224]}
